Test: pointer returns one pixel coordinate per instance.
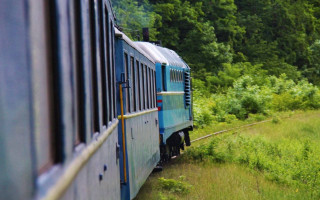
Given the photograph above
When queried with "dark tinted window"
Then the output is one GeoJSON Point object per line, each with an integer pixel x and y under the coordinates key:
{"type": "Point", "coordinates": [133, 85]}
{"type": "Point", "coordinates": [138, 85]}
{"type": "Point", "coordinates": [94, 83]}
{"type": "Point", "coordinates": [126, 68]}
{"type": "Point", "coordinates": [143, 87]}
{"type": "Point", "coordinates": [147, 87]}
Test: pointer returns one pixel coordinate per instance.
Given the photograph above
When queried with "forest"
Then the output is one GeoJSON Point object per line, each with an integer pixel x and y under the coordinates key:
{"type": "Point", "coordinates": [249, 58]}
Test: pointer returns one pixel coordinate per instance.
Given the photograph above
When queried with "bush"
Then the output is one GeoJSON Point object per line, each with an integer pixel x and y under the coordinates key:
{"type": "Point", "coordinates": [248, 97]}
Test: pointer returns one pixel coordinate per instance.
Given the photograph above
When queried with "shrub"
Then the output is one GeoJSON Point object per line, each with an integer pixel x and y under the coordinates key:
{"type": "Point", "coordinates": [249, 96]}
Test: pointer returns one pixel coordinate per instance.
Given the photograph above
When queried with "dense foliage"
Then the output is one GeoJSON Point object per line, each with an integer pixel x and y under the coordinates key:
{"type": "Point", "coordinates": [281, 35]}
{"type": "Point", "coordinates": [252, 96]}
{"type": "Point", "coordinates": [248, 57]}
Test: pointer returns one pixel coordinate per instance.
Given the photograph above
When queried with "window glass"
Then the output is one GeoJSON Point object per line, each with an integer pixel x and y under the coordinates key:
{"type": "Point", "coordinates": [94, 83]}
{"type": "Point", "coordinates": [133, 85]}
{"type": "Point", "coordinates": [138, 85]}
{"type": "Point", "coordinates": [103, 70]}
{"type": "Point", "coordinates": [45, 101]}
{"type": "Point", "coordinates": [114, 114]}
{"type": "Point", "coordinates": [147, 87]}
{"type": "Point", "coordinates": [77, 66]}
{"type": "Point", "coordinates": [155, 89]}
{"type": "Point", "coordinates": [126, 68]}
{"type": "Point", "coordinates": [143, 87]}
{"type": "Point", "coordinates": [109, 70]}
{"type": "Point", "coordinates": [163, 75]}
{"type": "Point", "coordinates": [150, 88]}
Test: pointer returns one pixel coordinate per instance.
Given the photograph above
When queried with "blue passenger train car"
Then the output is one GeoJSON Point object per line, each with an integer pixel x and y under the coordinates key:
{"type": "Point", "coordinates": [173, 98]}
{"type": "Point", "coordinates": [139, 127]}
{"type": "Point", "coordinates": [58, 117]}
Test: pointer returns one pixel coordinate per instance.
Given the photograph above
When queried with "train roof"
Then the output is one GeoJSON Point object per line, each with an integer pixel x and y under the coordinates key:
{"type": "Point", "coordinates": [162, 55]}
{"type": "Point", "coordinates": [132, 44]}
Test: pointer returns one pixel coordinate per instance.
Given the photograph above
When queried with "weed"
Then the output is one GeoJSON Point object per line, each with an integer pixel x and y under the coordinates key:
{"type": "Point", "coordinates": [175, 186]}
{"type": "Point", "coordinates": [276, 120]}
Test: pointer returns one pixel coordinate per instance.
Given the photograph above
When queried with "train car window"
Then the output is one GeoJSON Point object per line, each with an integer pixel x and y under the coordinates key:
{"type": "Point", "coordinates": [177, 76]}
{"type": "Point", "coordinates": [173, 75]}
{"type": "Point", "coordinates": [147, 86]}
{"type": "Point", "coordinates": [172, 72]}
{"type": "Point", "coordinates": [77, 66]}
{"type": "Point", "coordinates": [138, 85]}
{"type": "Point", "coordinates": [149, 83]}
{"type": "Point", "coordinates": [45, 88]}
{"type": "Point", "coordinates": [151, 90]}
{"type": "Point", "coordinates": [113, 72]}
{"type": "Point", "coordinates": [143, 87]}
{"type": "Point", "coordinates": [109, 64]}
{"type": "Point", "coordinates": [94, 83]}
{"type": "Point", "coordinates": [170, 75]}
{"type": "Point", "coordinates": [126, 68]}
{"type": "Point", "coordinates": [181, 76]}
{"type": "Point", "coordinates": [133, 85]}
{"type": "Point", "coordinates": [154, 89]}
{"type": "Point", "coordinates": [103, 70]}
{"type": "Point", "coordinates": [163, 75]}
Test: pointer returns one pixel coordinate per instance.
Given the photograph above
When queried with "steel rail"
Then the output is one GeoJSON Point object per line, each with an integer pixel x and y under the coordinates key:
{"type": "Point", "coordinates": [231, 129]}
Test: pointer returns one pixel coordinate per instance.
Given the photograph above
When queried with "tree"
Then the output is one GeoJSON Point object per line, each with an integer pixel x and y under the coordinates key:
{"type": "Point", "coordinates": [133, 15]}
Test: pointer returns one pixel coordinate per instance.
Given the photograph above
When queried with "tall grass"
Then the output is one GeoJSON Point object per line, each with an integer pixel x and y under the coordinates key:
{"type": "Point", "coordinates": [286, 153]}
{"type": "Point", "coordinates": [275, 160]}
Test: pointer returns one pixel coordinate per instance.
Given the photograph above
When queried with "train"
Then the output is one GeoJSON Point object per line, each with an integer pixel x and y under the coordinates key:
{"type": "Point", "coordinates": [85, 112]}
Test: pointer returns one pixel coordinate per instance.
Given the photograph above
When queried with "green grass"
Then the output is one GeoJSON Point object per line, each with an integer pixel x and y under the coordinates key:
{"type": "Point", "coordinates": [216, 181]}
{"type": "Point", "coordinates": [252, 119]}
{"type": "Point", "coordinates": [274, 160]}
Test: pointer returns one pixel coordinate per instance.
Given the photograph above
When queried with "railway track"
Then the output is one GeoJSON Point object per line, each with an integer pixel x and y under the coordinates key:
{"type": "Point", "coordinates": [231, 129]}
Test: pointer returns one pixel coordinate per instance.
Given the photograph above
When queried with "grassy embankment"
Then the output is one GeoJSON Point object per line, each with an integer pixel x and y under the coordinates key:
{"type": "Point", "coordinates": [274, 160]}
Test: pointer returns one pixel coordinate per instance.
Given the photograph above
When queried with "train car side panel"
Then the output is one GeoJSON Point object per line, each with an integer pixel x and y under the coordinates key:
{"type": "Point", "coordinates": [141, 124]}
{"type": "Point", "coordinates": [16, 168]}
